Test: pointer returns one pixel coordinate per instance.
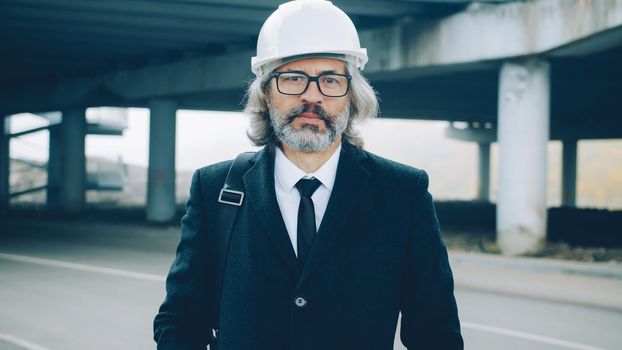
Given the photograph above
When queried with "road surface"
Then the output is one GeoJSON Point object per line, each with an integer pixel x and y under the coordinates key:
{"type": "Point", "coordinates": [85, 285]}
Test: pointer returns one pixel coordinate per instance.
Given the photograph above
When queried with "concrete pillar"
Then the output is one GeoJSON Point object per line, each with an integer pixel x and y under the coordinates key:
{"type": "Point", "coordinates": [161, 204]}
{"type": "Point", "coordinates": [53, 200]}
{"type": "Point", "coordinates": [5, 169]}
{"type": "Point", "coordinates": [483, 189]}
{"type": "Point", "coordinates": [569, 172]}
{"type": "Point", "coordinates": [523, 133]}
{"type": "Point", "coordinates": [73, 161]}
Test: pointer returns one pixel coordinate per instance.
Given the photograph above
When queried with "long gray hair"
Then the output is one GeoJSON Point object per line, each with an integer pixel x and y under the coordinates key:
{"type": "Point", "coordinates": [363, 105]}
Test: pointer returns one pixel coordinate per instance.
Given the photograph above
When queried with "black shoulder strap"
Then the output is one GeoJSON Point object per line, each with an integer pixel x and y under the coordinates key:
{"type": "Point", "coordinates": [231, 199]}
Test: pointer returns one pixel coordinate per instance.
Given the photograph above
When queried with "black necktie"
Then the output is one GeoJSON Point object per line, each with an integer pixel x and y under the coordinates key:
{"type": "Point", "coordinates": [306, 217]}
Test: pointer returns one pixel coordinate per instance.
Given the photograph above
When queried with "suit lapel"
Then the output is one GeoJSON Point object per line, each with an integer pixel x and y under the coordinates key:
{"type": "Point", "coordinates": [259, 186]}
{"type": "Point", "coordinates": [350, 181]}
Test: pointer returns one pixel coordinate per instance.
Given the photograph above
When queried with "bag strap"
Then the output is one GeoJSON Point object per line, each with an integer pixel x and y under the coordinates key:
{"type": "Point", "coordinates": [231, 198]}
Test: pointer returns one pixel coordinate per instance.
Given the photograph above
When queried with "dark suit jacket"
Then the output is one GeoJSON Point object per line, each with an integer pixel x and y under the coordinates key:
{"type": "Point", "coordinates": [378, 251]}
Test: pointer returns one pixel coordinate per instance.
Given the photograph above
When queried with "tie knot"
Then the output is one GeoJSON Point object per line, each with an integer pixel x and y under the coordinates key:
{"type": "Point", "coordinates": [306, 187]}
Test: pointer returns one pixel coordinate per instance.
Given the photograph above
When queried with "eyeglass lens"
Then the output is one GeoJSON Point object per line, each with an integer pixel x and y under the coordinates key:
{"type": "Point", "coordinates": [332, 85]}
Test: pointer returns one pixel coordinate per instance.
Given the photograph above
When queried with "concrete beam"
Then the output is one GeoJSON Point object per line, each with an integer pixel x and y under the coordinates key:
{"type": "Point", "coordinates": [161, 205]}
{"type": "Point", "coordinates": [229, 10]}
{"type": "Point", "coordinates": [560, 131]}
{"type": "Point", "coordinates": [198, 11]}
{"type": "Point", "coordinates": [352, 7]}
{"type": "Point", "coordinates": [524, 97]}
{"type": "Point", "coordinates": [483, 133]}
{"type": "Point", "coordinates": [138, 86]}
{"type": "Point", "coordinates": [30, 30]}
{"type": "Point", "coordinates": [127, 19]}
{"type": "Point", "coordinates": [491, 32]}
{"type": "Point", "coordinates": [475, 39]}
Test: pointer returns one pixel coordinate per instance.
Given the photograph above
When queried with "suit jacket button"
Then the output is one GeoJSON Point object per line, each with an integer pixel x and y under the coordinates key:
{"type": "Point", "coordinates": [300, 301]}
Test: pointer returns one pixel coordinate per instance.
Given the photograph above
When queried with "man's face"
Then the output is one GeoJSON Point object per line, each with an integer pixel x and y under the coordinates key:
{"type": "Point", "coordinates": [310, 122]}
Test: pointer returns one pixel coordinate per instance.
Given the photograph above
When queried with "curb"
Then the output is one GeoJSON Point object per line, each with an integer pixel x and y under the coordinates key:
{"type": "Point", "coordinates": [589, 284]}
{"type": "Point", "coordinates": [542, 265]}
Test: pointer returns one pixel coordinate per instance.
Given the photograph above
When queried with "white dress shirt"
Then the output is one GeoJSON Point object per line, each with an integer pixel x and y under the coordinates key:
{"type": "Point", "coordinates": [286, 175]}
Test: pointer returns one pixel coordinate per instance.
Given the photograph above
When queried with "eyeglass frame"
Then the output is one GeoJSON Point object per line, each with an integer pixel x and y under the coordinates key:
{"type": "Point", "coordinates": [309, 80]}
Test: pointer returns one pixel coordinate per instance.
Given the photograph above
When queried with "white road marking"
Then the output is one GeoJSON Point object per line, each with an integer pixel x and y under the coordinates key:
{"type": "Point", "coordinates": [21, 342]}
{"type": "Point", "coordinates": [83, 267]}
{"type": "Point", "coordinates": [529, 336]}
{"type": "Point", "coordinates": [157, 278]}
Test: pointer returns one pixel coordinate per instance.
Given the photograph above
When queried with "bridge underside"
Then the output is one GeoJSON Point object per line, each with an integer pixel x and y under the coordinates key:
{"type": "Point", "coordinates": [520, 73]}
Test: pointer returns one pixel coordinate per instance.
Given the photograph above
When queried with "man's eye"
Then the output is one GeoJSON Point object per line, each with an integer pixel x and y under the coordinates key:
{"type": "Point", "coordinates": [293, 78]}
{"type": "Point", "coordinates": [330, 81]}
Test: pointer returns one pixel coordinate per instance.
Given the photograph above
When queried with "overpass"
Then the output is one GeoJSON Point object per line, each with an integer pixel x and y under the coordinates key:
{"type": "Point", "coordinates": [518, 72]}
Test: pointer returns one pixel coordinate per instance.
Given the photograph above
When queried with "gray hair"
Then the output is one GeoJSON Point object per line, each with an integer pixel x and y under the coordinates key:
{"type": "Point", "coordinates": [363, 105]}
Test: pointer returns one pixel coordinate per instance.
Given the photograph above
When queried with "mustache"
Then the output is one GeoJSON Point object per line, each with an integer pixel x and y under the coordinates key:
{"type": "Point", "coordinates": [309, 108]}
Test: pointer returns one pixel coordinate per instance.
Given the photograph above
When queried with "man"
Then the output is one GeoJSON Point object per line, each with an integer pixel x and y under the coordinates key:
{"type": "Point", "coordinates": [332, 242]}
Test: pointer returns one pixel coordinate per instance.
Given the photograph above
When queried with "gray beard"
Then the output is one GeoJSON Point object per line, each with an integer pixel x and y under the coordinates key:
{"type": "Point", "coordinates": [309, 138]}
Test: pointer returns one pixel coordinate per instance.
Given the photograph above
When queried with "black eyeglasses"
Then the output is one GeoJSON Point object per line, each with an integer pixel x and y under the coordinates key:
{"type": "Point", "coordinates": [296, 83]}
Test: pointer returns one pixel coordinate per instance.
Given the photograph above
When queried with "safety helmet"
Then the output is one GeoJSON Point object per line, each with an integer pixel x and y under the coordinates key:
{"type": "Point", "coordinates": [307, 28]}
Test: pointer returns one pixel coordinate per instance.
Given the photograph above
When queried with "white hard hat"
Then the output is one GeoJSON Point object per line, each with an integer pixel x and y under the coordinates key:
{"type": "Point", "coordinates": [305, 28]}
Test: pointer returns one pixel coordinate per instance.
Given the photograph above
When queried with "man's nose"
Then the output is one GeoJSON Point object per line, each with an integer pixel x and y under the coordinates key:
{"type": "Point", "coordinates": [312, 94]}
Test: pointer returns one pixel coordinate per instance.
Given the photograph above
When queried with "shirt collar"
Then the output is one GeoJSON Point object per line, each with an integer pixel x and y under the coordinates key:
{"type": "Point", "coordinates": [287, 173]}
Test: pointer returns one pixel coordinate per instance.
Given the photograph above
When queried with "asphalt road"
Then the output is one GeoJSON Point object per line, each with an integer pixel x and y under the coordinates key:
{"type": "Point", "coordinates": [66, 286]}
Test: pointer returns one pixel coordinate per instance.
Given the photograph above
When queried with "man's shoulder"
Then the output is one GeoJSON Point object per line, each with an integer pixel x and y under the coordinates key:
{"type": "Point", "coordinates": [212, 177]}
{"type": "Point", "coordinates": [388, 167]}
{"type": "Point", "coordinates": [391, 174]}
{"type": "Point", "coordinates": [216, 169]}
{"type": "Point", "coordinates": [215, 174]}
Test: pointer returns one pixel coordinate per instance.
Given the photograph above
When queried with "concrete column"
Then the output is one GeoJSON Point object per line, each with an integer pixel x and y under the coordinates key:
{"type": "Point", "coordinates": [569, 172]}
{"type": "Point", "coordinates": [53, 200]}
{"type": "Point", "coordinates": [483, 189]}
{"type": "Point", "coordinates": [523, 133]}
{"type": "Point", "coordinates": [161, 204]}
{"type": "Point", "coordinates": [73, 161]}
{"type": "Point", "coordinates": [5, 169]}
